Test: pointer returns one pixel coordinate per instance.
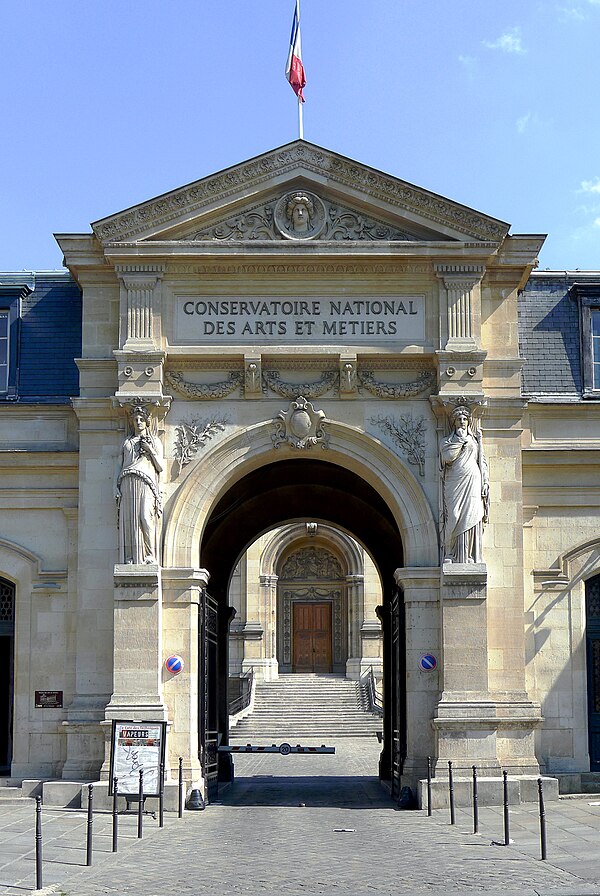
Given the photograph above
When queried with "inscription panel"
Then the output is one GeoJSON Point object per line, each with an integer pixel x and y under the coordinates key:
{"type": "Point", "coordinates": [324, 320]}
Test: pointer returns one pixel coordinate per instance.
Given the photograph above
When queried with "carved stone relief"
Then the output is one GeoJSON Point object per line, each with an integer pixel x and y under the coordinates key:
{"type": "Point", "coordinates": [272, 380]}
{"type": "Point", "coordinates": [423, 382]}
{"type": "Point", "coordinates": [407, 434]}
{"type": "Point", "coordinates": [300, 426]}
{"type": "Point", "coordinates": [204, 391]}
{"type": "Point", "coordinates": [254, 382]}
{"type": "Point", "coordinates": [301, 216]}
{"type": "Point", "coordinates": [282, 162]}
{"type": "Point", "coordinates": [190, 437]}
{"type": "Point", "coordinates": [314, 563]}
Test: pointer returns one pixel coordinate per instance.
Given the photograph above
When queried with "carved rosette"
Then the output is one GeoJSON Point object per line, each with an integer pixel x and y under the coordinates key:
{"type": "Point", "coordinates": [300, 426]}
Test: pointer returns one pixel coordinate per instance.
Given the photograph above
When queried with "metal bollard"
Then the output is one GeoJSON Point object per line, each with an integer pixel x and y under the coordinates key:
{"type": "Point", "coordinates": [38, 843]}
{"type": "Point", "coordinates": [115, 817]}
{"type": "Point", "coordinates": [429, 786]}
{"type": "Point", "coordinates": [542, 819]}
{"type": "Point", "coordinates": [506, 818]}
{"type": "Point", "coordinates": [90, 824]}
{"type": "Point", "coordinates": [180, 787]}
{"type": "Point", "coordinates": [141, 804]}
{"type": "Point", "coordinates": [475, 802]}
{"type": "Point", "coordinates": [451, 793]}
{"type": "Point", "coordinates": [161, 797]}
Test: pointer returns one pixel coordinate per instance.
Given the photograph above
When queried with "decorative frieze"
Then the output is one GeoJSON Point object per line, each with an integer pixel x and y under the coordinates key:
{"type": "Point", "coordinates": [381, 389]}
{"type": "Point", "coordinates": [300, 215]}
{"type": "Point", "coordinates": [272, 380]}
{"type": "Point", "coordinates": [298, 156]}
{"type": "Point", "coordinates": [204, 391]}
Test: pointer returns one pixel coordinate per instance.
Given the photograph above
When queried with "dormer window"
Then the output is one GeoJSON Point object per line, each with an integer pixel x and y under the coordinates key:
{"type": "Point", "coordinates": [596, 347]}
{"type": "Point", "coordinates": [4, 349]}
{"type": "Point", "coordinates": [588, 299]}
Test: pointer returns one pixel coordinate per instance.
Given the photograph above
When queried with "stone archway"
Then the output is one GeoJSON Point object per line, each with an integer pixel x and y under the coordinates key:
{"type": "Point", "coordinates": [243, 488]}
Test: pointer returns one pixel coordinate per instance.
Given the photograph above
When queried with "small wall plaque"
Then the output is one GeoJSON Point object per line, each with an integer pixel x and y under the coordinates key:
{"type": "Point", "coordinates": [48, 699]}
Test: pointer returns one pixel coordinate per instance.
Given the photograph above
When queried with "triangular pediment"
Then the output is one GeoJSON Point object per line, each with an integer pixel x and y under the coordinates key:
{"type": "Point", "coordinates": [299, 192]}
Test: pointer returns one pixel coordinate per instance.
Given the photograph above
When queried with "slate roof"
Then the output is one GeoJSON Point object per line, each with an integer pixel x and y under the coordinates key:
{"type": "Point", "coordinates": [549, 337]}
{"type": "Point", "coordinates": [49, 336]}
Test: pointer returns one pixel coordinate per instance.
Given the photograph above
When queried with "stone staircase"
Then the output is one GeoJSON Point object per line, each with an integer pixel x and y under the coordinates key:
{"type": "Point", "coordinates": [307, 706]}
{"type": "Point", "coordinates": [11, 793]}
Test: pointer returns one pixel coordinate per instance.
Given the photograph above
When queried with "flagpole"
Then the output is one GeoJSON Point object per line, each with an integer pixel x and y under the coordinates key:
{"type": "Point", "coordinates": [300, 119]}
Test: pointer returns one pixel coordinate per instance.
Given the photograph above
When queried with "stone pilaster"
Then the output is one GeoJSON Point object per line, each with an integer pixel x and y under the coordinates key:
{"type": "Point", "coordinates": [461, 285]}
{"type": "Point", "coordinates": [182, 592]}
{"type": "Point", "coordinates": [140, 306]}
{"type": "Point", "coordinates": [355, 589]}
{"type": "Point", "coordinates": [268, 605]}
{"type": "Point", "coordinates": [99, 439]}
{"type": "Point", "coordinates": [421, 594]}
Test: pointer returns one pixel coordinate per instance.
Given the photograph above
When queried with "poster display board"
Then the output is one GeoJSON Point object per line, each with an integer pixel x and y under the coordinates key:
{"type": "Point", "coordinates": [135, 746]}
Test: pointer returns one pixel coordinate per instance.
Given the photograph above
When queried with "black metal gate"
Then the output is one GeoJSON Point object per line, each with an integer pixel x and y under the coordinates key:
{"type": "Point", "coordinates": [7, 631]}
{"type": "Point", "coordinates": [397, 680]}
{"type": "Point", "coordinates": [209, 694]}
{"type": "Point", "coordinates": [592, 613]}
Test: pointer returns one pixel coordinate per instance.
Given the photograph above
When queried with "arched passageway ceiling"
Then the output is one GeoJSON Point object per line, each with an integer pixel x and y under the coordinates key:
{"type": "Point", "coordinates": [298, 489]}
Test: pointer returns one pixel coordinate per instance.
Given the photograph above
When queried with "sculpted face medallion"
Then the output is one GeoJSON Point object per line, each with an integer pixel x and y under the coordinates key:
{"type": "Point", "coordinates": [300, 216]}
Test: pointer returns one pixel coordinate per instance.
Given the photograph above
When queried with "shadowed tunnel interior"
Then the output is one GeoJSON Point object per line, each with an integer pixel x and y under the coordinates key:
{"type": "Point", "coordinates": [318, 490]}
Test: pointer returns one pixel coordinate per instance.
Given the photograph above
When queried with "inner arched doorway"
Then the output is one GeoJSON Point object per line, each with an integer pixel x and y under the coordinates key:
{"type": "Point", "coordinates": [299, 489]}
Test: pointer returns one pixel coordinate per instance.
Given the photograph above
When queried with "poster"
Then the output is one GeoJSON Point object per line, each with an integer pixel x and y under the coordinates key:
{"type": "Point", "coordinates": [135, 746]}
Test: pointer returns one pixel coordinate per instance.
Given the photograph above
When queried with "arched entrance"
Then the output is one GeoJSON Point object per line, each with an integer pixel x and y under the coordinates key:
{"type": "Point", "coordinates": [274, 494]}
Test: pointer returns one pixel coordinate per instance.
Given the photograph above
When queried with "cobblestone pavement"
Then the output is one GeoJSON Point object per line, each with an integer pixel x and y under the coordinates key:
{"type": "Point", "coordinates": [325, 828]}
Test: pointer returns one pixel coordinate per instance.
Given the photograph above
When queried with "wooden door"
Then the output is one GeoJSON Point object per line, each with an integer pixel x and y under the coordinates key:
{"type": "Point", "coordinates": [312, 637]}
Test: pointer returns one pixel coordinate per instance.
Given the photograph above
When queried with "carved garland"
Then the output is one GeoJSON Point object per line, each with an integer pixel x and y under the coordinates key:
{"type": "Point", "coordinates": [204, 391]}
{"type": "Point", "coordinates": [396, 390]}
{"type": "Point", "coordinates": [273, 380]}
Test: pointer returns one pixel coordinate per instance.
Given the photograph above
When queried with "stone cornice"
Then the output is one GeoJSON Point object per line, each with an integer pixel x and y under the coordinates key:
{"type": "Point", "coordinates": [294, 160]}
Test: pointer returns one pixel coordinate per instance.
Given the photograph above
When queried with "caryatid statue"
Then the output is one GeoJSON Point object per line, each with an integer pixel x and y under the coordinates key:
{"type": "Point", "coordinates": [465, 489]}
{"type": "Point", "coordinates": [139, 502]}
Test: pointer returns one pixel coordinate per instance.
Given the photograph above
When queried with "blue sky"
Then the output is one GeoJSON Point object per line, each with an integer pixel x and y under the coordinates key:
{"type": "Point", "coordinates": [493, 104]}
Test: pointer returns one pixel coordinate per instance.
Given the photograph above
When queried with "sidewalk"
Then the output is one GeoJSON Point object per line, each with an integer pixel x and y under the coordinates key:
{"type": "Point", "coordinates": [324, 828]}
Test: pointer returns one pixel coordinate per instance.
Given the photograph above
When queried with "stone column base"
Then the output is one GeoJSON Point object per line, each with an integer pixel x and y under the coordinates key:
{"type": "Point", "coordinates": [490, 734]}
{"type": "Point", "coordinates": [490, 791]}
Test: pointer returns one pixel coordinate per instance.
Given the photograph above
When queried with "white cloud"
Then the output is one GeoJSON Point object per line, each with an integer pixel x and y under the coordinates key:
{"type": "Point", "coordinates": [509, 42]}
{"type": "Point", "coordinates": [590, 186]}
{"type": "Point", "coordinates": [597, 222]}
{"type": "Point", "coordinates": [523, 122]}
{"type": "Point", "coordinates": [467, 61]}
{"type": "Point", "coordinates": [572, 12]}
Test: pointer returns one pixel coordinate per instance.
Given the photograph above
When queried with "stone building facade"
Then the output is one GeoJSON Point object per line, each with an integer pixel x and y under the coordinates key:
{"type": "Point", "coordinates": [375, 414]}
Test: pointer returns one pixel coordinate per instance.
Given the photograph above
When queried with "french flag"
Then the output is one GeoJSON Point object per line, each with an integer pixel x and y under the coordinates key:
{"type": "Point", "coordinates": [294, 70]}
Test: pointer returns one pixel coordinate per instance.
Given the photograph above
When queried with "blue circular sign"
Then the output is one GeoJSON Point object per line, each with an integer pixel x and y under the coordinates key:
{"type": "Point", "coordinates": [174, 664]}
{"type": "Point", "coordinates": [427, 663]}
